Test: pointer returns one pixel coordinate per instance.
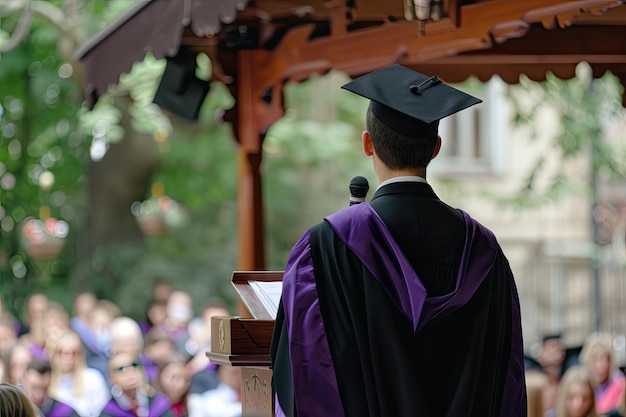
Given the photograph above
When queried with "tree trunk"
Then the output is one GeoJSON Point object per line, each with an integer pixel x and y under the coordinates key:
{"type": "Point", "coordinates": [122, 177]}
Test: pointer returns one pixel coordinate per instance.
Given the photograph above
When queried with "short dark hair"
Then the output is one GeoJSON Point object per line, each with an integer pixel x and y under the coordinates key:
{"type": "Point", "coordinates": [41, 366]}
{"type": "Point", "coordinates": [398, 151]}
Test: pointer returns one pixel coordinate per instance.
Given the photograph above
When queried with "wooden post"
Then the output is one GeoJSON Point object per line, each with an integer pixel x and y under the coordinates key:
{"type": "Point", "coordinates": [250, 222]}
{"type": "Point", "coordinates": [251, 255]}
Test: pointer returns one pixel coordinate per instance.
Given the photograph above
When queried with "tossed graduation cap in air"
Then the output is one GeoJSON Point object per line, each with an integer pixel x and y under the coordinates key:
{"type": "Point", "coordinates": [409, 102]}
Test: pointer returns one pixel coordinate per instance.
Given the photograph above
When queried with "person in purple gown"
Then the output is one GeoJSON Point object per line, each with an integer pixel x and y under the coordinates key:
{"type": "Point", "coordinates": [403, 306]}
{"type": "Point", "coordinates": [131, 396]}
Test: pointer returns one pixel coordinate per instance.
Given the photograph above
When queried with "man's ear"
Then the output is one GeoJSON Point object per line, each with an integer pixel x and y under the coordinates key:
{"type": "Point", "coordinates": [437, 148]}
{"type": "Point", "coordinates": [368, 148]}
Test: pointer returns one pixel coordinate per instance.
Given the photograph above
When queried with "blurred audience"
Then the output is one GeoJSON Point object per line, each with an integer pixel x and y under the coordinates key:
{"type": "Point", "coordinates": [15, 361]}
{"type": "Point", "coordinates": [36, 304]}
{"type": "Point", "coordinates": [535, 387]}
{"type": "Point", "coordinates": [158, 347]}
{"type": "Point", "coordinates": [551, 358]}
{"type": "Point", "coordinates": [156, 312]}
{"type": "Point", "coordinates": [161, 291]}
{"type": "Point", "coordinates": [8, 338]}
{"type": "Point", "coordinates": [84, 304]}
{"type": "Point", "coordinates": [7, 317]}
{"type": "Point", "coordinates": [199, 330]}
{"type": "Point", "coordinates": [32, 334]}
{"type": "Point", "coordinates": [131, 396]}
{"type": "Point", "coordinates": [179, 312]}
{"type": "Point", "coordinates": [72, 382]}
{"type": "Point", "coordinates": [55, 322]}
{"type": "Point", "coordinates": [36, 384]}
{"type": "Point", "coordinates": [224, 400]}
{"type": "Point", "coordinates": [609, 382]}
{"type": "Point", "coordinates": [575, 397]}
{"type": "Point", "coordinates": [174, 381]}
{"type": "Point", "coordinates": [127, 337]}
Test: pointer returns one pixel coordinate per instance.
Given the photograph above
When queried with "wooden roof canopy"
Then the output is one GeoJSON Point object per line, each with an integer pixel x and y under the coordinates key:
{"type": "Point", "coordinates": [255, 46]}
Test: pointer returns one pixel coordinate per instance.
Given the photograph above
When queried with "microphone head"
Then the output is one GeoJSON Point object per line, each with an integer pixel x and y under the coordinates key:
{"type": "Point", "coordinates": [359, 187]}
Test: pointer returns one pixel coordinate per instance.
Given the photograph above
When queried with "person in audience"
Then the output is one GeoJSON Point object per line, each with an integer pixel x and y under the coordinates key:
{"type": "Point", "coordinates": [158, 347]}
{"type": "Point", "coordinates": [609, 382]}
{"type": "Point", "coordinates": [15, 362]}
{"type": "Point", "coordinates": [127, 337]}
{"type": "Point", "coordinates": [15, 403]}
{"type": "Point", "coordinates": [174, 381]}
{"type": "Point", "coordinates": [535, 385]}
{"type": "Point", "coordinates": [46, 329]}
{"type": "Point", "coordinates": [100, 321]}
{"type": "Point", "coordinates": [156, 312]}
{"type": "Point", "coordinates": [199, 330]}
{"type": "Point", "coordinates": [551, 359]}
{"type": "Point", "coordinates": [224, 400]}
{"type": "Point", "coordinates": [179, 313]}
{"type": "Point", "coordinates": [55, 322]}
{"type": "Point", "coordinates": [36, 384]}
{"type": "Point", "coordinates": [72, 382]}
{"type": "Point", "coordinates": [97, 336]}
{"type": "Point", "coordinates": [8, 338]}
{"type": "Point", "coordinates": [8, 333]}
{"type": "Point", "coordinates": [204, 379]}
{"type": "Point", "coordinates": [161, 291]}
{"type": "Point", "coordinates": [84, 304]}
{"type": "Point", "coordinates": [32, 333]}
{"type": "Point", "coordinates": [36, 305]}
{"type": "Point", "coordinates": [575, 396]}
{"type": "Point", "coordinates": [7, 317]}
{"type": "Point", "coordinates": [131, 396]}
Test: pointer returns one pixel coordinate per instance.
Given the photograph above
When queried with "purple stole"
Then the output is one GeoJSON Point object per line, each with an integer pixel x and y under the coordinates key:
{"type": "Point", "coordinates": [60, 409]}
{"type": "Point", "coordinates": [362, 230]}
{"type": "Point", "coordinates": [158, 405]}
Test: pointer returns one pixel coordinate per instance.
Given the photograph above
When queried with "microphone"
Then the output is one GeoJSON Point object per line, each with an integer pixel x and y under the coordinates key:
{"type": "Point", "coordinates": [358, 190]}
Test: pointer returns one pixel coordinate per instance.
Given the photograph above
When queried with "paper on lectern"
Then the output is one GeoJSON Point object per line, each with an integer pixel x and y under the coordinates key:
{"type": "Point", "coordinates": [269, 293]}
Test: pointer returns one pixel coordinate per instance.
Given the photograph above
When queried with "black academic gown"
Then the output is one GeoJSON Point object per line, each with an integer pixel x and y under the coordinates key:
{"type": "Point", "coordinates": [404, 308]}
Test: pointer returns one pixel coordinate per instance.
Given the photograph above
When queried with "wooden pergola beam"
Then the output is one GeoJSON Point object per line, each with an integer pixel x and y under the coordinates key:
{"type": "Point", "coordinates": [507, 37]}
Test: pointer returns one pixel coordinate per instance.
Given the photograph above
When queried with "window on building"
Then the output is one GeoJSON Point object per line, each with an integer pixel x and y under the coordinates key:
{"type": "Point", "coordinates": [474, 139]}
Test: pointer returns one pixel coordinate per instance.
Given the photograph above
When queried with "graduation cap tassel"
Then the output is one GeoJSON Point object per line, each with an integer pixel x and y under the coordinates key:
{"type": "Point", "coordinates": [416, 89]}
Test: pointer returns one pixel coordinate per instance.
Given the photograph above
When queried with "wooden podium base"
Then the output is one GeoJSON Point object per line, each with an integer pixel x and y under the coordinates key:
{"type": "Point", "coordinates": [256, 392]}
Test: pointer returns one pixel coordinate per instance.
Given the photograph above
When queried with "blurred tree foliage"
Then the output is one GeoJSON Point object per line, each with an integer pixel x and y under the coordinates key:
{"type": "Point", "coordinates": [310, 157]}
{"type": "Point", "coordinates": [589, 111]}
{"type": "Point", "coordinates": [45, 130]}
{"type": "Point", "coordinates": [39, 137]}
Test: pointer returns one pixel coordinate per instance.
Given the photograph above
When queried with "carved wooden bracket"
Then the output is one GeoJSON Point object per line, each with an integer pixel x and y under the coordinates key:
{"type": "Point", "coordinates": [563, 14]}
{"type": "Point", "coordinates": [558, 15]}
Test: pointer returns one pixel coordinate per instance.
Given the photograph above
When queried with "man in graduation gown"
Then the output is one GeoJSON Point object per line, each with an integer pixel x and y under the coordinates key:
{"type": "Point", "coordinates": [403, 306]}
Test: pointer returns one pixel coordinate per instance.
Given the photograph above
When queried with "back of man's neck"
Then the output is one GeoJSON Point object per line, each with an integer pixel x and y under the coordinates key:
{"type": "Point", "coordinates": [385, 176]}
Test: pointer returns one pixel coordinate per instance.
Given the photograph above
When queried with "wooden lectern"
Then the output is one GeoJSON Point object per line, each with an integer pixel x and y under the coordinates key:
{"type": "Point", "coordinates": [245, 342]}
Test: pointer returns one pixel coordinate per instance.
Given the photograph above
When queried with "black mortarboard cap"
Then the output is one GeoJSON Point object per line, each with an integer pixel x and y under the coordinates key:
{"type": "Point", "coordinates": [409, 102]}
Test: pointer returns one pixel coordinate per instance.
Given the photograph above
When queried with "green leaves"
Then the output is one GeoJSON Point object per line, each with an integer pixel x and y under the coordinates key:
{"type": "Point", "coordinates": [584, 109]}
{"type": "Point", "coordinates": [309, 158]}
